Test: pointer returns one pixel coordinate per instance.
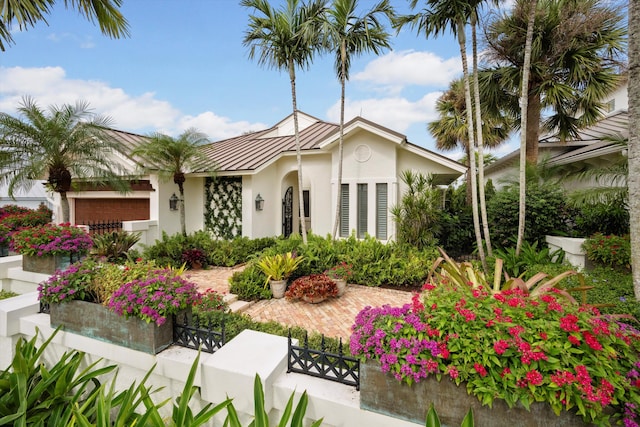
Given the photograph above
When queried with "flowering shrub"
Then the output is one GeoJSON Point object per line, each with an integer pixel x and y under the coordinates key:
{"type": "Point", "coordinates": [342, 271]}
{"type": "Point", "coordinates": [13, 217]}
{"type": "Point", "coordinates": [612, 251]}
{"type": "Point", "coordinates": [510, 346]}
{"type": "Point", "coordinates": [73, 283]}
{"type": "Point", "coordinates": [51, 239]}
{"type": "Point", "coordinates": [153, 298]}
{"type": "Point", "coordinates": [313, 287]}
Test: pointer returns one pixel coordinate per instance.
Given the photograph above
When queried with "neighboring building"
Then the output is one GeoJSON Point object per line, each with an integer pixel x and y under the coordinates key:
{"type": "Point", "coordinates": [261, 168]}
{"type": "Point", "coordinates": [29, 199]}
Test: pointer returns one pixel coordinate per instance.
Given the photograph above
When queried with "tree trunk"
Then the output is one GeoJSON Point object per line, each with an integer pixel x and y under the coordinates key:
{"type": "Point", "coordinates": [343, 53]}
{"type": "Point", "coordinates": [634, 141]}
{"type": "Point", "coordinates": [478, 122]}
{"type": "Point", "coordinates": [533, 126]}
{"type": "Point", "coordinates": [472, 150]}
{"type": "Point", "coordinates": [524, 102]}
{"type": "Point", "coordinates": [64, 204]}
{"type": "Point", "coordinates": [303, 225]}
{"type": "Point", "coordinates": [183, 222]}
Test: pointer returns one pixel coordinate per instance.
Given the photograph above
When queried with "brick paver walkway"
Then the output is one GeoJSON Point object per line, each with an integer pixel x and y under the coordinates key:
{"type": "Point", "coordinates": [332, 317]}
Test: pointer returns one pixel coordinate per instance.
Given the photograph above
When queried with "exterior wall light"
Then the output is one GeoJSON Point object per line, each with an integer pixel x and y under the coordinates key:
{"type": "Point", "coordinates": [173, 202]}
{"type": "Point", "coordinates": [259, 202]}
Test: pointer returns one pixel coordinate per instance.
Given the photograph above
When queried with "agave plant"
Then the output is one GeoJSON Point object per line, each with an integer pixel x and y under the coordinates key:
{"type": "Point", "coordinates": [114, 246]}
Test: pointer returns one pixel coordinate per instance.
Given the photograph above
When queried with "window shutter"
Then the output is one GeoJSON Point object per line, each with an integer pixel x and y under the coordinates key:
{"type": "Point", "coordinates": [344, 210]}
{"type": "Point", "coordinates": [381, 211]}
{"type": "Point", "coordinates": [362, 211]}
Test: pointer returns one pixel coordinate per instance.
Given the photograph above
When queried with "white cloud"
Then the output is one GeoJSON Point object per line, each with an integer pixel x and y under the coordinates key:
{"type": "Point", "coordinates": [135, 113]}
{"type": "Point", "coordinates": [396, 113]}
{"type": "Point", "coordinates": [398, 69]}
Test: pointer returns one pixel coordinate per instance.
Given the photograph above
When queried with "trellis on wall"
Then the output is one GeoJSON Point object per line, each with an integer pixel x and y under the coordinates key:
{"type": "Point", "coordinates": [223, 210]}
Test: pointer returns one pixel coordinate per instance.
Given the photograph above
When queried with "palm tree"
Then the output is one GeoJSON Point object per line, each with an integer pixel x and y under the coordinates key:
{"type": "Point", "coordinates": [26, 13]}
{"type": "Point", "coordinates": [285, 39]}
{"type": "Point", "coordinates": [454, 15]}
{"type": "Point", "coordinates": [59, 144]}
{"type": "Point", "coordinates": [171, 158]}
{"type": "Point", "coordinates": [450, 129]}
{"type": "Point", "coordinates": [350, 35]}
{"type": "Point", "coordinates": [634, 141]}
{"type": "Point", "coordinates": [574, 63]}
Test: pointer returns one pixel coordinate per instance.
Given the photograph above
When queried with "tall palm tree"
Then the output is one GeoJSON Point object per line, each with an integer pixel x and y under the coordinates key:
{"type": "Point", "coordinates": [287, 38]}
{"type": "Point", "coordinates": [58, 144]}
{"type": "Point", "coordinates": [350, 35]}
{"type": "Point", "coordinates": [575, 63]}
{"type": "Point", "coordinates": [26, 13]}
{"type": "Point", "coordinates": [171, 158]}
{"type": "Point", "coordinates": [634, 141]}
{"type": "Point", "coordinates": [437, 17]}
{"type": "Point", "coordinates": [450, 129]}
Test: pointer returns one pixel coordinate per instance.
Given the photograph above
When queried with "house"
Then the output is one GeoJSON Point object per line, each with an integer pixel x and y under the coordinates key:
{"type": "Point", "coordinates": [254, 192]}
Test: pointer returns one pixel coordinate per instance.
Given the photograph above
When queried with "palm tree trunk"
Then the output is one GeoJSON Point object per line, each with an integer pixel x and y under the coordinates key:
{"type": "Point", "coordinates": [524, 102]}
{"type": "Point", "coordinates": [472, 149]}
{"type": "Point", "coordinates": [303, 225]}
{"type": "Point", "coordinates": [183, 222]}
{"type": "Point", "coordinates": [634, 141]}
{"type": "Point", "coordinates": [64, 204]}
{"type": "Point", "coordinates": [534, 108]}
{"type": "Point", "coordinates": [478, 122]}
{"type": "Point", "coordinates": [343, 55]}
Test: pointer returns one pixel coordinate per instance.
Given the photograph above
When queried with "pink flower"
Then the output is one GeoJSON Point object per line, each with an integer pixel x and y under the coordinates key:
{"type": "Point", "coordinates": [500, 346]}
{"type": "Point", "coordinates": [534, 377]}
{"type": "Point", "coordinates": [480, 369]}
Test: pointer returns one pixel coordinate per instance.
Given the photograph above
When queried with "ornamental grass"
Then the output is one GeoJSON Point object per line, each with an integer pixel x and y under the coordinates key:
{"type": "Point", "coordinates": [509, 345]}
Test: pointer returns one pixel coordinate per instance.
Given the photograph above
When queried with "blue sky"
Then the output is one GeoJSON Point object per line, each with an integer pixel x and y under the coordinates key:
{"type": "Point", "coordinates": [184, 65]}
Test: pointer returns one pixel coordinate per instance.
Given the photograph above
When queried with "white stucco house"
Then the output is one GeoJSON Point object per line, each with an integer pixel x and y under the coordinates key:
{"type": "Point", "coordinates": [254, 191]}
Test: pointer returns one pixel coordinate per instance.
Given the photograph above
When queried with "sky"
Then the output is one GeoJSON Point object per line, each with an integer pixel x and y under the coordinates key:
{"type": "Point", "coordinates": [185, 65]}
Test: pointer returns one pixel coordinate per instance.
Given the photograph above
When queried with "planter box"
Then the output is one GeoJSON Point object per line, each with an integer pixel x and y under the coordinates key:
{"type": "Point", "coordinates": [381, 392]}
{"type": "Point", "coordinates": [97, 321]}
{"type": "Point", "coordinates": [47, 264]}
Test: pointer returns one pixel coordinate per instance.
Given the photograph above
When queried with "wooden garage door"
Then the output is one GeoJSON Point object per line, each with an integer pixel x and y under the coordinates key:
{"type": "Point", "coordinates": [91, 210]}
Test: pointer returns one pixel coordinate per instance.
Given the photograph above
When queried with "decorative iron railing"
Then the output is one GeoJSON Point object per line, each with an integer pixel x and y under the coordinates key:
{"type": "Point", "coordinates": [323, 364]}
{"type": "Point", "coordinates": [44, 307]}
{"type": "Point", "coordinates": [190, 333]}
{"type": "Point", "coordinates": [101, 227]}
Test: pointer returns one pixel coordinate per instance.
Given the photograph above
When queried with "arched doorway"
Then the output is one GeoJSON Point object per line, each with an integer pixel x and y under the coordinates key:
{"type": "Point", "coordinates": [287, 212]}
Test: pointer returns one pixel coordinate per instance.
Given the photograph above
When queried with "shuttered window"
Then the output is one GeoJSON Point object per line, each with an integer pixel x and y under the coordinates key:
{"type": "Point", "coordinates": [381, 211]}
{"type": "Point", "coordinates": [362, 210]}
{"type": "Point", "coordinates": [344, 210]}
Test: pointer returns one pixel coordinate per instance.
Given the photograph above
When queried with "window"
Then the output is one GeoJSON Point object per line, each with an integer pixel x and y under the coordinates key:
{"type": "Point", "coordinates": [381, 211]}
{"type": "Point", "coordinates": [610, 106]}
{"type": "Point", "coordinates": [362, 210]}
{"type": "Point", "coordinates": [344, 210]}
{"type": "Point", "coordinates": [307, 206]}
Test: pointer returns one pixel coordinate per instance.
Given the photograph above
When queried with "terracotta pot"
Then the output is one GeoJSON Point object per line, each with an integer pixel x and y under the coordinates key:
{"type": "Point", "coordinates": [342, 286]}
{"type": "Point", "coordinates": [313, 300]}
{"type": "Point", "coordinates": [278, 287]}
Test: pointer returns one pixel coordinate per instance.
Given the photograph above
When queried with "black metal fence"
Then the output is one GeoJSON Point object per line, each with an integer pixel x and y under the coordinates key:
{"type": "Point", "coordinates": [102, 227]}
{"type": "Point", "coordinates": [323, 364]}
{"type": "Point", "coordinates": [189, 333]}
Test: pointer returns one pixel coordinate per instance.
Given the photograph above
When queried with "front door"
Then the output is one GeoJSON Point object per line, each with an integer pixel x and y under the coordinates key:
{"type": "Point", "coordinates": [287, 212]}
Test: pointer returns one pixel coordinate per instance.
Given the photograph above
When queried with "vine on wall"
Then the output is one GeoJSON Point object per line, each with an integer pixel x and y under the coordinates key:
{"type": "Point", "coordinates": [223, 210]}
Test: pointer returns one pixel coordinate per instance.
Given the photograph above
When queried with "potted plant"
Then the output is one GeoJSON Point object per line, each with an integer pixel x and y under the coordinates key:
{"type": "Point", "coordinates": [314, 288]}
{"type": "Point", "coordinates": [194, 258]}
{"type": "Point", "coordinates": [517, 350]}
{"type": "Point", "coordinates": [278, 268]}
{"type": "Point", "coordinates": [49, 247]}
{"type": "Point", "coordinates": [340, 274]}
{"type": "Point", "coordinates": [131, 305]}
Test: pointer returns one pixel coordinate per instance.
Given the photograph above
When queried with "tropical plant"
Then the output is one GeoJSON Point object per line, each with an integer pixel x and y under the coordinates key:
{"type": "Point", "coordinates": [609, 250]}
{"type": "Point", "coordinates": [516, 265]}
{"type": "Point", "coordinates": [279, 266]}
{"type": "Point", "coordinates": [62, 143]}
{"type": "Point", "coordinates": [193, 257]}
{"type": "Point", "coordinates": [50, 239]}
{"type": "Point", "coordinates": [172, 157]}
{"type": "Point", "coordinates": [507, 345]}
{"type": "Point", "coordinates": [434, 421]}
{"type": "Point", "coordinates": [26, 13]}
{"type": "Point", "coordinates": [418, 215]}
{"type": "Point", "coordinates": [351, 35]}
{"type": "Point", "coordinates": [114, 246]}
{"type": "Point", "coordinates": [313, 287]}
{"type": "Point", "coordinates": [287, 38]}
{"type": "Point", "coordinates": [342, 271]}
{"type": "Point", "coordinates": [437, 17]}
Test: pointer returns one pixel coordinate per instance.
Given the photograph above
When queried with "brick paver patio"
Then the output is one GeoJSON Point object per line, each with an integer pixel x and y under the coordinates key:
{"type": "Point", "coordinates": [332, 317]}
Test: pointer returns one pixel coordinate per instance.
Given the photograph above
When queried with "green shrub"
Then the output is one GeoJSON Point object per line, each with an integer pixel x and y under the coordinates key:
{"type": "Point", "coordinates": [530, 255]}
{"type": "Point", "coordinates": [546, 213]}
{"type": "Point", "coordinates": [610, 251]}
{"type": "Point", "coordinates": [606, 218]}
{"type": "Point", "coordinates": [612, 291]}
{"type": "Point", "coordinates": [248, 284]}
{"type": "Point", "coordinates": [7, 294]}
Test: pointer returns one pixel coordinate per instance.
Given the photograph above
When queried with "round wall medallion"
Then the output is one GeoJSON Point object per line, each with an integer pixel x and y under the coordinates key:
{"type": "Point", "coordinates": [362, 153]}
